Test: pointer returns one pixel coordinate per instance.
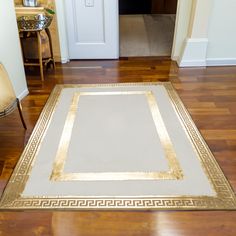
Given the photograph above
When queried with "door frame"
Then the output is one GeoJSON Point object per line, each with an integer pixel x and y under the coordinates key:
{"type": "Point", "coordinates": [183, 15]}
{"type": "Point", "coordinates": [184, 11]}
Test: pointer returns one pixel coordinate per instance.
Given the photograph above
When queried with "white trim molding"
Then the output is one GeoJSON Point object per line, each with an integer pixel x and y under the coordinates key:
{"type": "Point", "coordinates": [221, 61]}
{"type": "Point", "coordinates": [65, 60]}
{"type": "Point", "coordinates": [23, 94]}
{"type": "Point", "coordinates": [61, 22]}
{"type": "Point", "coordinates": [194, 52]}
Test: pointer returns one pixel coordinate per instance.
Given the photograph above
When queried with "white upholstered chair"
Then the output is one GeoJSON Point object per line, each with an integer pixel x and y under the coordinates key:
{"type": "Point", "coordinates": [8, 100]}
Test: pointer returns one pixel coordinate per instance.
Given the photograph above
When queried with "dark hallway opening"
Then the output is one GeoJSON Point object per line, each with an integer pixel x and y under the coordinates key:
{"type": "Point", "coordinates": [130, 7]}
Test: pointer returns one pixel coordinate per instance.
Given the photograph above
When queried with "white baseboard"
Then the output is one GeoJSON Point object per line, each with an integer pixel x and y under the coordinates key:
{"type": "Point", "coordinates": [64, 60]}
{"type": "Point", "coordinates": [194, 53]}
{"type": "Point", "coordinates": [221, 61]}
{"type": "Point", "coordinates": [175, 58]}
{"type": "Point", "coordinates": [23, 94]}
{"type": "Point", "coordinates": [192, 63]}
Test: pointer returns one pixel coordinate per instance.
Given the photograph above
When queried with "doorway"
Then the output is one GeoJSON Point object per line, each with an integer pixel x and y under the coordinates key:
{"type": "Point", "coordinates": [184, 12]}
{"type": "Point", "coordinates": [146, 27]}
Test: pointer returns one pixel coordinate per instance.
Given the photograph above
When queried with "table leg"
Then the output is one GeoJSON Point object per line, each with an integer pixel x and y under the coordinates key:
{"type": "Point", "coordinates": [40, 55]}
{"type": "Point", "coordinates": [50, 44]}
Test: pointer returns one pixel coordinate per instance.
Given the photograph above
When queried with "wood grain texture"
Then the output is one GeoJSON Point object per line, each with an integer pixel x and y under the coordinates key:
{"type": "Point", "coordinates": [209, 94]}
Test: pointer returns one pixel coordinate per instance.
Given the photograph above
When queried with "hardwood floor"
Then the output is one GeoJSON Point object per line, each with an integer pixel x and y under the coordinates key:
{"type": "Point", "coordinates": [209, 95]}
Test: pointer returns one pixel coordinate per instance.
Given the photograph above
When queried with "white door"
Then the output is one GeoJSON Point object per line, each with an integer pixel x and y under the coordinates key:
{"type": "Point", "coordinates": [92, 29]}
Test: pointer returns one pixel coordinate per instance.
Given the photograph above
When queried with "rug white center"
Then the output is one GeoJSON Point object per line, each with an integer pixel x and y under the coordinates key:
{"type": "Point", "coordinates": [116, 142]}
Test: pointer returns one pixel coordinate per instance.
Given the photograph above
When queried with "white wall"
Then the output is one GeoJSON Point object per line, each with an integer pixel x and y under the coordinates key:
{"type": "Point", "coordinates": [10, 51]}
{"type": "Point", "coordinates": [222, 34]}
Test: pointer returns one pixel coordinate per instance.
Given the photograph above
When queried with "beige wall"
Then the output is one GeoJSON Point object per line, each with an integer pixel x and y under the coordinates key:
{"type": "Point", "coordinates": [53, 28]}
{"type": "Point", "coordinates": [222, 32]}
{"type": "Point", "coordinates": [182, 26]}
{"type": "Point", "coordinates": [200, 16]}
{"type": "Point", "coordinates": [10, 51]}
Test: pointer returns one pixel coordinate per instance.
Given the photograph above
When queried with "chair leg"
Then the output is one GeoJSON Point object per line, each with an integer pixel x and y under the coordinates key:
{"type": "Point", "coordinates": [20, 112]}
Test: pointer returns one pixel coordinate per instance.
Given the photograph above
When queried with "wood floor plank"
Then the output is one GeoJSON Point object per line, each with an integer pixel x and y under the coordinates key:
{"type": "Point", "coordinates": [208, 93]}
{"type": "Point", "coordinates": [220, 134]}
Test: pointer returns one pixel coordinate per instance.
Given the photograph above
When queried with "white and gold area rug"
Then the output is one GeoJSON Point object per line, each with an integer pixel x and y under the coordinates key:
{"type": "Point", "coordinates": [117, 146]}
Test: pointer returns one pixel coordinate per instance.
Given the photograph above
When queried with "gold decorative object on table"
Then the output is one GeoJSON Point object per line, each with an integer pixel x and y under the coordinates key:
{"type": "Point", "coordinates": [33, 23]}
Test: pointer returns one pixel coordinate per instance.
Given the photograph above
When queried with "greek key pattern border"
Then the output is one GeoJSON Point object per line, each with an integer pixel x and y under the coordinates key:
{"type": "Point", "coordinates": [203, 203]}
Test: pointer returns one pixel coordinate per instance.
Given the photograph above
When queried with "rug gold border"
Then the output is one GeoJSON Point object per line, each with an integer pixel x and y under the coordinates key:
{"type": "Point", "coordinates": [224, 200]}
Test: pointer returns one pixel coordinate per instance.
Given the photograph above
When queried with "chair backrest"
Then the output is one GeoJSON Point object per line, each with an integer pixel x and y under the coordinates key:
{"type": "Point", "coordinates": [7, 94]}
